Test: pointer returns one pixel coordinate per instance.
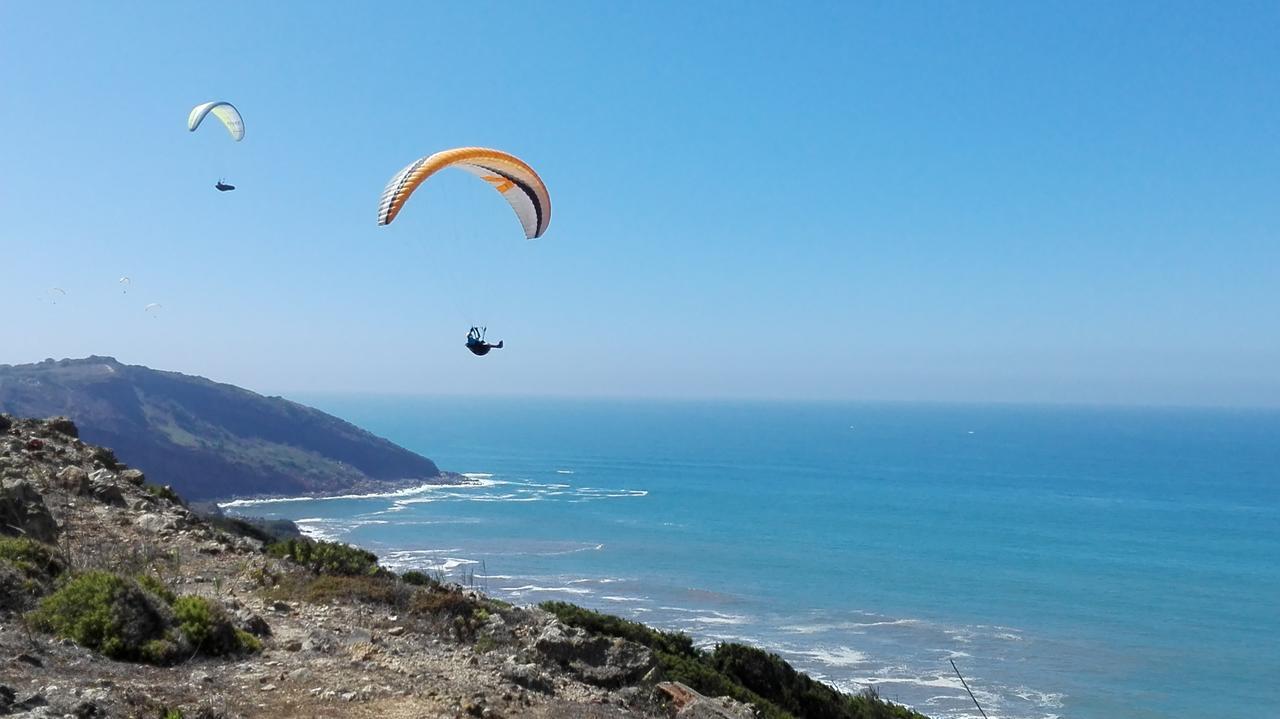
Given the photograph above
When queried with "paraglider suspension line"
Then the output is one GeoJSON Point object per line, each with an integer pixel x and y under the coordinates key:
{"type": "Point", "coordinates": [967, 689]}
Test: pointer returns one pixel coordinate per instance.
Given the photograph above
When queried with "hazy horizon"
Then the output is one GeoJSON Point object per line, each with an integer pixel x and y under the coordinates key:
{"type": "Point", "coordinates": [996, 204]}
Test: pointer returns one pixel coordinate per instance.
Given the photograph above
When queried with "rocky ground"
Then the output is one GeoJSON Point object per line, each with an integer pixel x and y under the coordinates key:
{"type": "Point", "coordinates": [329, 648]}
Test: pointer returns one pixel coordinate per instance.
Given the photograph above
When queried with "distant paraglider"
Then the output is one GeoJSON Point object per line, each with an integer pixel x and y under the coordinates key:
{"type": "Point", "coordinates": [152, 308]}
{"type": "Point", "coordinates": [224, 111]}
{"type": "Point", "coordinates": [55, 293]}
{"type": "Point", "coordinates": [231, 119]}
{"type": "Point", "coordinates": [124, 285]}
{"type": "Point", "coordinates": [477, 344]}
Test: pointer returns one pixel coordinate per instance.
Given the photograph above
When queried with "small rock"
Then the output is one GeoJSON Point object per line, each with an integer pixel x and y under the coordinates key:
{"type": "Point", "coordinates": [31, 702]}
{"type": "Point", "coordinates": [347, 696]}
{"type": "Point", "coordinates": [317, 643]}
{"type": "Point", "coordinates": [155, 523]}
{"type": "Point", "coordinates": [528, 676]}
{"type": "Point", "coordinates": [87, 710]}
{"type": "Point", "coordinates": [268, 687]}
{"type": "Point", "coordinates": [253, 624]}
{"type": "Point", "coordinates": [134, 477]}
{"type": "Point", "coordinates": [25, 658]}
{"type": "Point", "coordinates": [395, 631]}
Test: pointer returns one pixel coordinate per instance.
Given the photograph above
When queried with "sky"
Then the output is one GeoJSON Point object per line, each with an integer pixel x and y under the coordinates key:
{"type": "Point", "coordinates": [937, 201]}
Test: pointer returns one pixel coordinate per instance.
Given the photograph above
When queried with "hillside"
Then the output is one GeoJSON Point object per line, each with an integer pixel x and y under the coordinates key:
{"type": "Point", "coordinates": [207, 439]}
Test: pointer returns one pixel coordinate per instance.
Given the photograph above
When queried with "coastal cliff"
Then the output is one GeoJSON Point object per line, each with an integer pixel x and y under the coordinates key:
{"type": "Point", "coordinates": [208, 439]}
{"type": "Point", "coordinates": [117, 600]}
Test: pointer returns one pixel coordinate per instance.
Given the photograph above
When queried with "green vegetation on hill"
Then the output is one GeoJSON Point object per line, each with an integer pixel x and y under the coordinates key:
{"type": "Point", "coordinates": [124, 619]}
{"type": "Point", "coordinates": [27, 570]}
{"type": "Point", "coordinates": [745, 673]}
{"type": "Point", "coordinates": [328, 557]}
{"type": "Point", "coordinates": [32, 558]}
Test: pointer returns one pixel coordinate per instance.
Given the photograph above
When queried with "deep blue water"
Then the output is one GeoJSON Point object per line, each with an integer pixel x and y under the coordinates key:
{"type": "Point", "coordinates": [1081, 563]}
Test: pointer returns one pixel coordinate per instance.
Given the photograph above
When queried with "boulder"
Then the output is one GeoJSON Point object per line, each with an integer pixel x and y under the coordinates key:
{"type": "Point", "coordinates": [252, 623]}
{"type": "Point", "coordinates": [155, 523]}
{"type": "Point", "coordinates": [133, 476]}
{"type": "Point", "coordinates": [74, 480]}
{"type": "Point", "coordinates": [63, 426]}
{"type": "Point", "coordinates": [599, 660]}
{"type": "Point", "coordinates": [23, 511]}
{"type": "Point", "coordinates": [689, 704]}
{"type": "Point", "coordinates": [528, 676]}
{"type": "Point", "coordinates": [108, 493]}
{"type": "Point", "coordinates": [105, 457]}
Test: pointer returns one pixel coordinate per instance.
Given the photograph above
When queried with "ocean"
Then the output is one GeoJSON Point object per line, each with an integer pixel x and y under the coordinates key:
{"type": "Point", "coordinates": [1084, 563]}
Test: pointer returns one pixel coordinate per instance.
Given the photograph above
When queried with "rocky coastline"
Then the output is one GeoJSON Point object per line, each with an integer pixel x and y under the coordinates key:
{"type": "Point", "coordinates": [120, 600]}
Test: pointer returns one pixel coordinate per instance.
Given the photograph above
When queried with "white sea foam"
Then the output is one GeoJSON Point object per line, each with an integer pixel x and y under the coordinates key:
{"type": "Point", "coordinates": [317, 530]}
{"type": "Point", "coordinates": [720, 620]}
{"type": "Point", "coordinates": [836, 657]}
{"type": "Point", "coordinates": [595, 548]}
{"type": "Point", "coordinates": [619, 598]}
{"type": "Point", "coordinates": [1044, 700]}
{"type": "Point", "coordinates": [406, 492]}
{"type": "Point", "coordinates": [564, 471]}
{"type": "Point", "coordinates": [847, 626]}
{"type": "Point", "coordinates": [535, 588]}
{"type": "Point", "coordinates": [432, 560]}
{"type": "Point", "coordinates": [709, 616]}
{"type": "Point", "coordinates": [451, 563]}
{"type": "Point", "coordinates": [406, 554]}
{"type": "Point", "coordinates": [935, 681]}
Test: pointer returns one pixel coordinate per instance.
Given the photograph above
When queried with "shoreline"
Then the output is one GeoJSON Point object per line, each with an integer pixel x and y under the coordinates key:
{"type": "Point", "coordinates": [848, 665]}
{"type": "Point", "coordinates": [389, 489]}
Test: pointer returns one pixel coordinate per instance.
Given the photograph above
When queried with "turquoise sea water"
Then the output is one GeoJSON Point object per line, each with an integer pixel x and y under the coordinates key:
{"type": "Point", "coordinates": [1078, 563]}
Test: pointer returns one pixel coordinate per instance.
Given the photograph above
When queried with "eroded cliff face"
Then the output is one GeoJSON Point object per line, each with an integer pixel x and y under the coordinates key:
{"type": "Point", "coordinates": [207, 439]}
{"type": "Point", "coordinates": [98, 562]}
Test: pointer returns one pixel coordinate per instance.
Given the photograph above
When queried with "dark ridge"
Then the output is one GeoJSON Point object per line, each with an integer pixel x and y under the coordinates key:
{"type": "Point", "coordinates": [208, 439]}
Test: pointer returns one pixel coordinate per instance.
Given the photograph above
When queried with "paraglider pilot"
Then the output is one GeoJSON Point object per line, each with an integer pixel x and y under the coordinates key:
{"type": "Point", "coordinates": [223, 187]}
{"type": "Point", "coordinates": [476, 343]}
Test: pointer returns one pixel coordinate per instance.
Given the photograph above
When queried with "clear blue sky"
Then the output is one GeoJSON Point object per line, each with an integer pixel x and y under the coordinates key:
{"type": "Point", "coordinates": [1074, 201]}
